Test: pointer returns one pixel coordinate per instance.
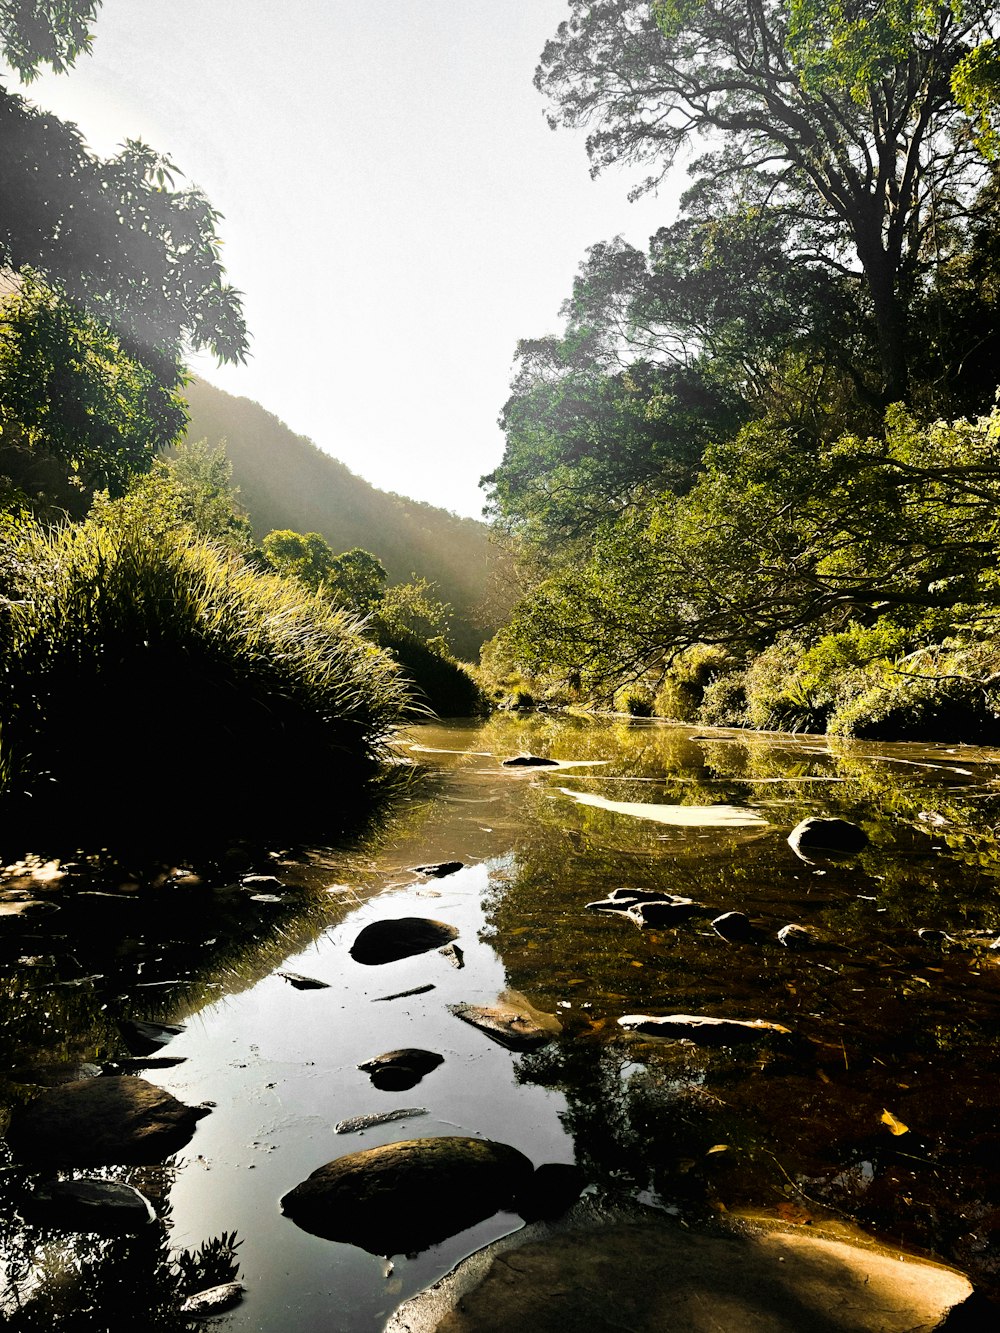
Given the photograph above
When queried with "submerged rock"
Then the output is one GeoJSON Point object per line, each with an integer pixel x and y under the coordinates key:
{"type": "Point", "coordinates": [530, 761]}
{"type": "Point", "coordinates": [89, 1204]}
{"type": "Point", "coordinates": [404, 1197]}
{"type": "Point", "coordinates": [395, 1071]}
{"type": "Point", "coordinates": [838, 837]}
{"type": "Point", "coordinates": [100, 1121]}
{"type": "Point", "coordinates": [704, 1031]}
{"type": "Point", "coordinates": [214, 1300]}
{"type": "Point", "coordinates": [142, 1038]}
{"type": "Point", "coordinates": [664, 913]}
{"type": "Point", "coordinates": [386, 941]}
{"type": "Point", "coordinates": [440, 869]}
{"type": "Point", "coordinates": [794, 936]}
{"type": "Point", "coordinates": [517, 1029]}
{"type": "Point", "coordinates": [355, 1123]}
{"type": "Point", "coordinates": [620, 900]}
{"type": "Point", "coordinates": [735, 927]}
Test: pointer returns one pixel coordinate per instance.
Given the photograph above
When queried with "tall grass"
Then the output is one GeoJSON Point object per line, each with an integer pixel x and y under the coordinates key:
{"type": "Point", "coordinates": [147, 675]}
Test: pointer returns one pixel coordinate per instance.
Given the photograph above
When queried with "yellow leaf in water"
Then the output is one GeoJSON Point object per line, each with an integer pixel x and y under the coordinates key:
{"type": "Point", "coordinates": [895, 1126]}
{"type": "Point", "coordinates": [636, 963]}
{"type": "Point", "coordinates": [718, 1147]}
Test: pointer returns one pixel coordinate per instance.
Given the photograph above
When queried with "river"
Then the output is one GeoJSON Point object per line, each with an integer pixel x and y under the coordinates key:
{"type": "Point", "coordinates": [883, 1110]}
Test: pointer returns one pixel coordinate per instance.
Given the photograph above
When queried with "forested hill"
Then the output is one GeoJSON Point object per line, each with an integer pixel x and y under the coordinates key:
{"type": "Point", "coordinates": [285, 481]}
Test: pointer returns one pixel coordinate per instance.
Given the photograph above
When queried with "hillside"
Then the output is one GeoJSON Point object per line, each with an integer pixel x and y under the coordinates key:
{"type": "Point", "coordinates": [285, 481]}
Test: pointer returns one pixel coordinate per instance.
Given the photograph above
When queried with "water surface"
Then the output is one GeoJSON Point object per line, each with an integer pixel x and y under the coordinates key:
{"type": "Point", "coordinates": [890, 1029]}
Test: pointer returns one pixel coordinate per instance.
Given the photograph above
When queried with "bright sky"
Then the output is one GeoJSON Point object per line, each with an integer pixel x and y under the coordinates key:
{"type": "Point", "coordinates": [397, 212]}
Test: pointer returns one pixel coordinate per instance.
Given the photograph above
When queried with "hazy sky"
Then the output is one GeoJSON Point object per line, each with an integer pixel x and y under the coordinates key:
{"type": "Point", "coordinates": [397, 211]}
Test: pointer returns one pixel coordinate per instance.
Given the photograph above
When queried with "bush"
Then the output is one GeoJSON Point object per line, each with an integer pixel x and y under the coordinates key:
{"type": "Point", "coordinates": [947, 692]}
{"type": "Point", "coordinates": [635, 700]}
{"type": "Point", "coordinates": [439, 682]}
{"type": "Point", "coordinates": [157, 679]}
{"type": "Point", "coordinates": [690, 674]}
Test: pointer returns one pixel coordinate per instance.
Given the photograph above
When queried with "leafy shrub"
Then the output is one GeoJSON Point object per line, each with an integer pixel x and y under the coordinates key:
{"type": "Point", "coordinates": [439, 682]}
{"type": "Point", "coordinates": [682, 690]}
{"type": "Point", "coordinates": [635, 700]}
{"type": "Point", "coordinates": [155, 678]}
{"type": "Point", "coordinates": [724, 702]}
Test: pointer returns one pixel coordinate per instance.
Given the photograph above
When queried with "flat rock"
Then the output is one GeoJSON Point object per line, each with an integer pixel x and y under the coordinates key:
{"type": "Point", "coordinates": [826, 837]}
{"type": "Point", "coordinates": [142, 1038]}
{"type": "Point", "coordinates": [386, 941]}
{"type": "Point", "coordinates": [300, 982]}
{"type": "Point", "coordinates": [621, 900]}
{"type": "Point", "coordinates": [651, 1275]}
{"type": "Point", "coordinates": [395, 1071]}
{"type": "Point", "coordinates": [404, 1197]}
{"type": "Point", "coordinates": [353, 1124]}
{"type": "Point", "coordinates": [530, 761]}
{"type": "Point", "coordinates": [665, 913]}
{"type": "Point", "coordinates": [439, 869]}
{"type": "Point", "coordinates": [89, 1204]}
{"type": "Point", "coordinates": [705, 1031]}
{"type": "Point", "coordinates": [519, 1029]}
{"type": "Point", "coordinates": [101, 1121]}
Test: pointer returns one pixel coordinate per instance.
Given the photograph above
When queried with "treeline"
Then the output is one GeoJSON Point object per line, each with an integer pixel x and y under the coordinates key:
{"type": "Point", "coordinates": [755, 479]}
{"type": "Point", "coordinates": [285, 481]}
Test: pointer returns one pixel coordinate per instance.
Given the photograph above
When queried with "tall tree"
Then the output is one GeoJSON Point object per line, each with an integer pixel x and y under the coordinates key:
{"type": "Point", "coordinates": [840, 116]}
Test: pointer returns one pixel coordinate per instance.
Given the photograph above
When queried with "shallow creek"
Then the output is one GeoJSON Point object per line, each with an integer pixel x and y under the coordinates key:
{"type": "Point", "coordinates": [884, 1109]}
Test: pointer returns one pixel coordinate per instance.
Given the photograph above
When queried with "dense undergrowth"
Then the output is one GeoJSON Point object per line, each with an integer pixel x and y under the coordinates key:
{"type": "Point", "coordinates": [151, 676]}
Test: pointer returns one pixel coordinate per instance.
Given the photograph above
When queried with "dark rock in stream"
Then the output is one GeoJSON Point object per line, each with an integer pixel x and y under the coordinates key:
{"type": "Point", "coordinates": [300, 982]}
{"type": "Point", "coordinates": [735, 927]}
{"type": "Point", "coordinates": [511, 1027]}
{"type": "Point", "coordinates": [103, 1121]}
{"type": "Point", "coordinates": [89, 1204]}
{"type": "Point", "coordinates": [530, 761]}
{"type": "Point", "coordinates": [454, 955]}
{"type": "Point", "coordinates": [143, 1038]}
{"type": "Point", "coordinates": [439, 870]}
{"type": "Point", "coordinates": [794, 936]}
{"type": "Point", "coordinates": [386, 941]}
{"type": "Point", "coordinates": [261, 884]}
{"type": "Point", "coordinates": [837, 837]}
{"type": "Point", "coordinates": [553, 1188]}
{"type": "Point", "coordinates": [396, 1071]}
{"type": "Point", "coordinates": [405, 1197]}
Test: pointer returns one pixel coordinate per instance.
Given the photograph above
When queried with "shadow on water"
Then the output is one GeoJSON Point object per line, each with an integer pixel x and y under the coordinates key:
{"type": "Point", "coordinates": [880, 1107]}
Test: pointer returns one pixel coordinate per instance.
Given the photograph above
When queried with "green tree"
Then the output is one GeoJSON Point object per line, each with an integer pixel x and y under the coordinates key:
{"type": "Point", "coordinates": [77, 414]}
{"type": "Point", "coordinates": [841, 118]}
{"type": "Point", "coordinates": [45, 32]}
{"type": "Point", "coordinates": [306, 556]}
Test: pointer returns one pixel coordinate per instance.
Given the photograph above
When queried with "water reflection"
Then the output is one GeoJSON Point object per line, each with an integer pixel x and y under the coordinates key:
{"type": "Point", "coordinates": [884, 1020]}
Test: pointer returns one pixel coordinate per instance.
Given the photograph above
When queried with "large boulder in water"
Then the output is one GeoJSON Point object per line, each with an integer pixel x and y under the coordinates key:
{"type": "Point", "coordinates": [827, 837]}
{"type": "Point", "coordinates": [109, 1207]}
{"type": "Point", "coordinates": [102, 1121]}
{"type": "Point", "coordinates": [385, 941]}
{"type": "Point", "coordinates": [404, 1197]}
